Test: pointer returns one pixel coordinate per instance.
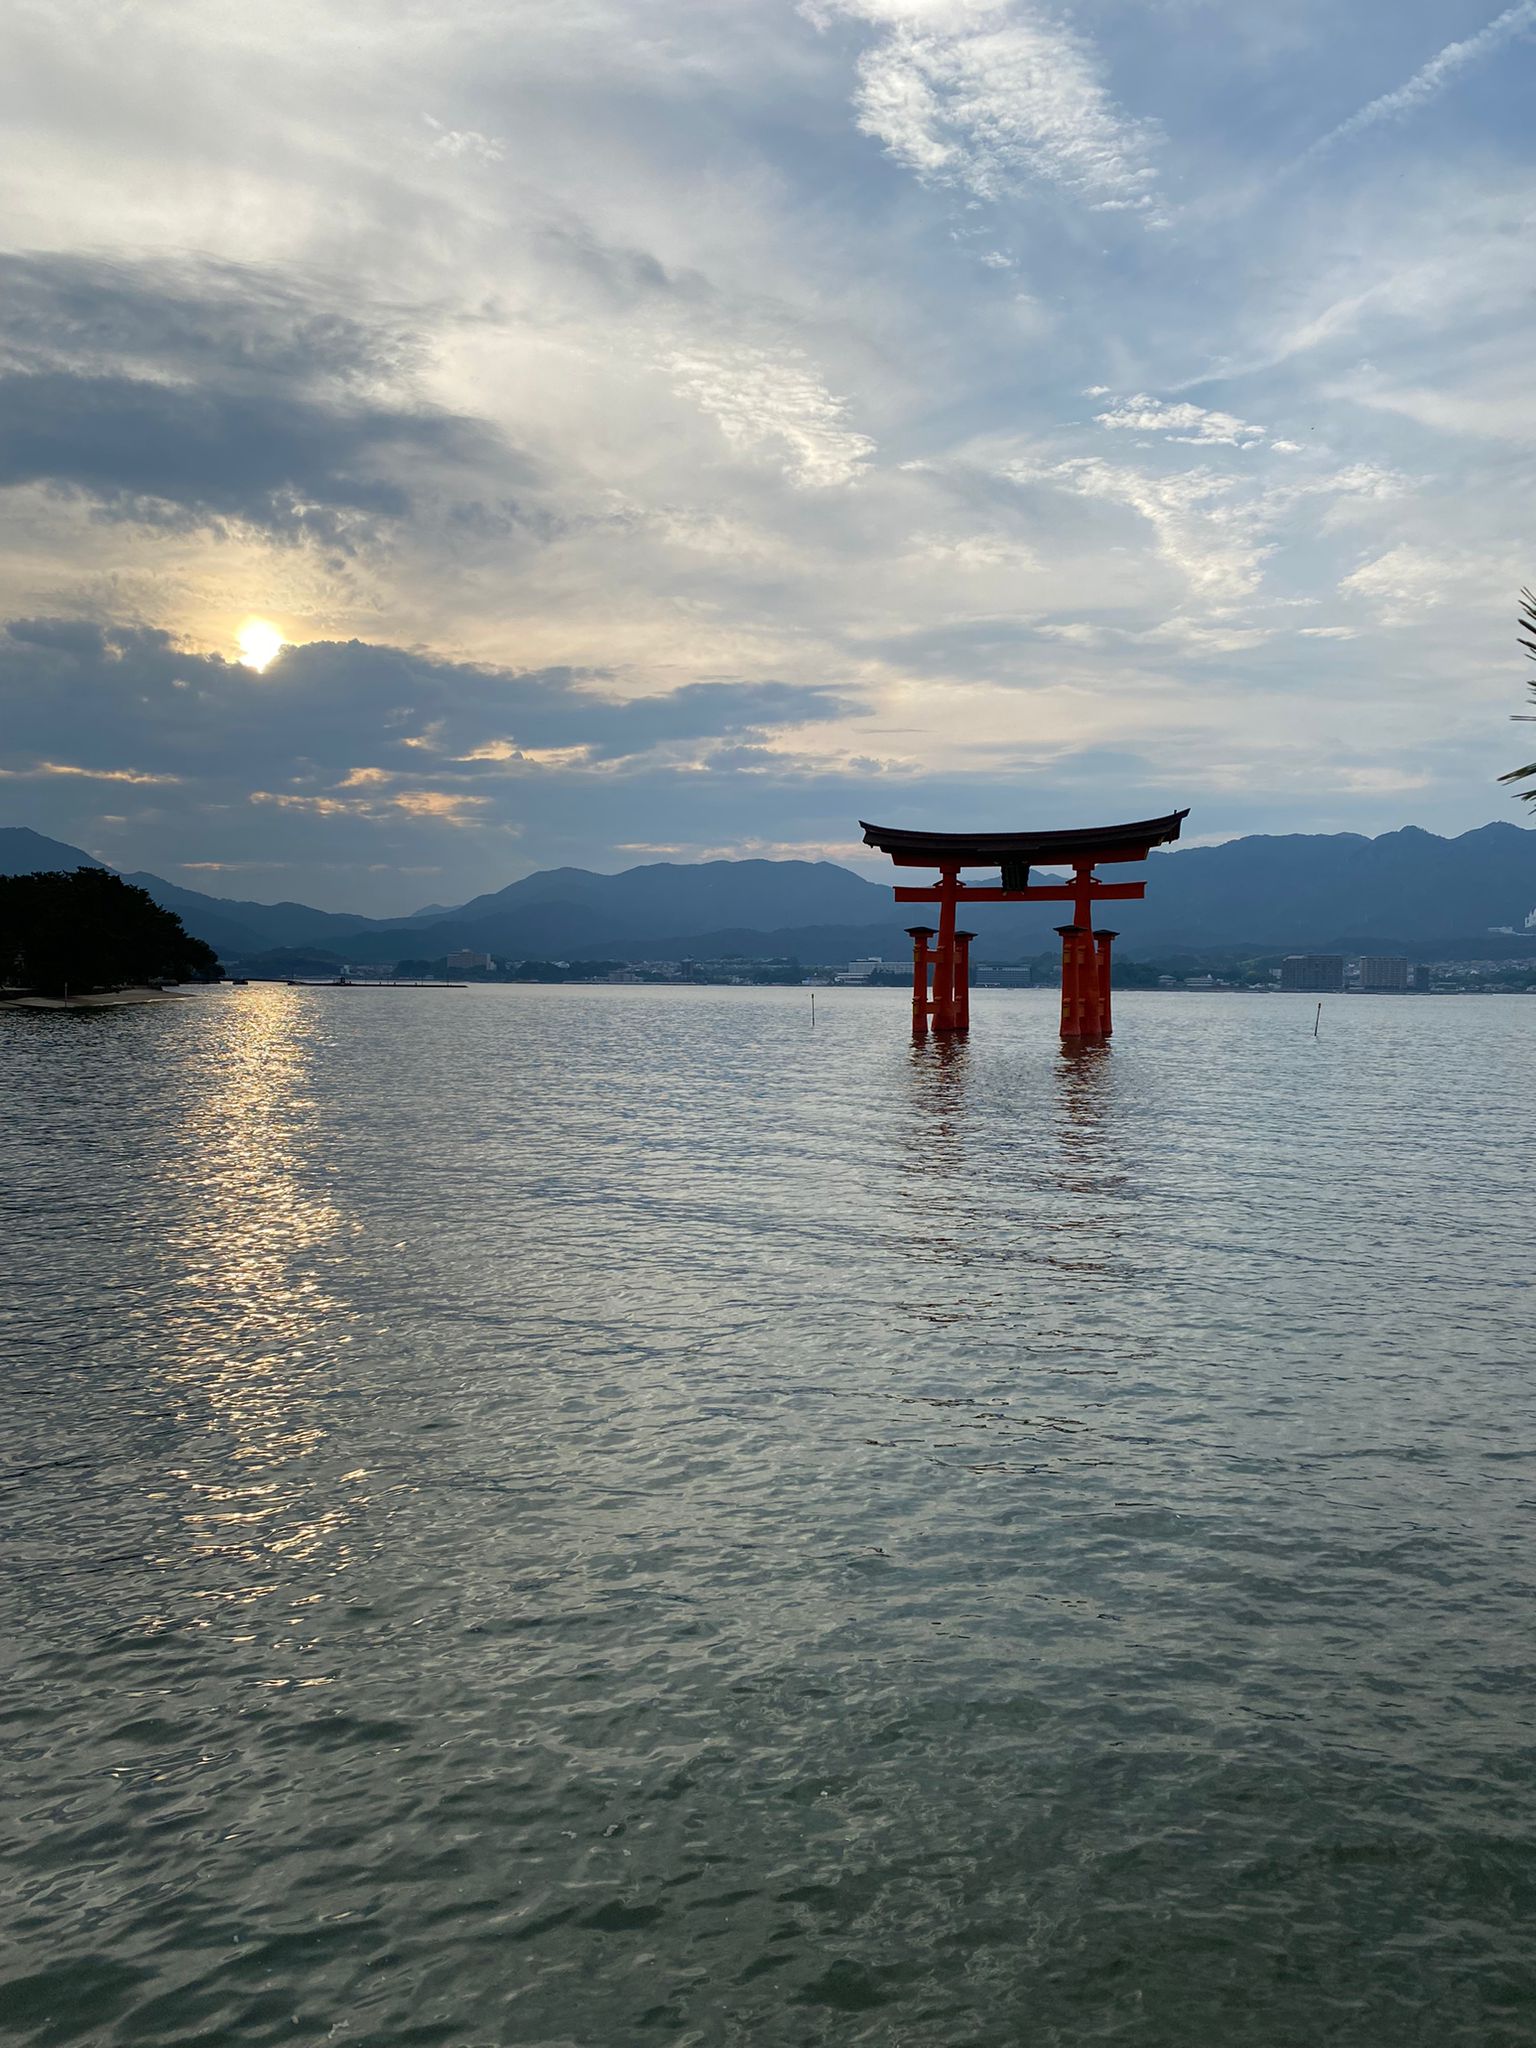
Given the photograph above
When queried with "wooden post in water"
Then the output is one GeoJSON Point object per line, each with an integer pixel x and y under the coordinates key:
{"type": "Point", "coordinates": [942, 1006]}
{"type": "Point", "coordinates": [962, 988]}
{"type": "Point", "coordinates": [920, 934]}
{"type": "Point", "coordinates": [1079, 985]}
{"type": "Point", "coordinates": [1103, 940]}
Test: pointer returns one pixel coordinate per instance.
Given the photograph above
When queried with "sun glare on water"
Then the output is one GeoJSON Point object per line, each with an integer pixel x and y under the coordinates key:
{"type": "Point", "coordinates": [259, 642]}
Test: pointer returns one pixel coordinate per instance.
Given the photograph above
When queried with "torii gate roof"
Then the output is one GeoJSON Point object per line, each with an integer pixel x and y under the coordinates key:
{"type": "Point", "coordinates": [1035, 849]}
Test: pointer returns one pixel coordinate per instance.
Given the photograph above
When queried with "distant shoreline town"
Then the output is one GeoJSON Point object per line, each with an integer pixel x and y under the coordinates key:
{"type": "Point", "coordinates": [1295, 973]}
{"type": "Point", "coordinates": [1408, 912]}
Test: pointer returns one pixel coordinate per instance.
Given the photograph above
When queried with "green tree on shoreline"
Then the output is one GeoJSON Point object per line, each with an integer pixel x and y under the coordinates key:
{"type": "Point", "coordinates": [91, 929]}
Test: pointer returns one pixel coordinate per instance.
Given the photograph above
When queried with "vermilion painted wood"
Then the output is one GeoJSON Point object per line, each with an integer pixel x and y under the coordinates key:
{"type": "Point", "coordinates": [1086, 1014]}
{"type": "Point", "coordinates": [920, 934]}
{"type": "Point", "coordinates": [1065, 893]}
{"type": "Point", "coordinates": [1103, 940]}
{"type": "Point", "coordinates": [963, 980]}
{"type": "Point", "coordinates": [919, 849]}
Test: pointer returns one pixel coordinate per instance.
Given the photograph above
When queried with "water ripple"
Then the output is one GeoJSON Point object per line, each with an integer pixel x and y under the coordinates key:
{"type": "Point", "coordinates": [572, 1517]}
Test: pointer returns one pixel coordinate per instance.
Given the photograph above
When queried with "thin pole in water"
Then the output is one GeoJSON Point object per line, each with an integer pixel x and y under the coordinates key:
{"type": "Point", "coordinates": [813, 1009]}
{"type": "Point", "coordinates": [1317, 1021]}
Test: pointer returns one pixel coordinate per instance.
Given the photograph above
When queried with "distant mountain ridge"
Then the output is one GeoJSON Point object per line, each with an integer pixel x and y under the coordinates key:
{"type": "Point", "coordinates": [1322, 891]}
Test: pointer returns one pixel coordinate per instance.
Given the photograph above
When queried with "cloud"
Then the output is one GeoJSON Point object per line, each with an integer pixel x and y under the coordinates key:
{"type": "Point", "coordinates": [766, 401]}
{"type": "Point", "coordinates": [990, 98]}
{"type": "Point", "coordinates": [157, 454]}
{"type": "Point", "coordinates": [1181, 422]}
{"type": "Point", "coordinates": [130, 693]}
{"type": "Point", "coordinates": [1432, 78]}
{"type": "Point", "coordinates": [465, 142]}
{"type": "Point", "coordinates": [186, 319]}
{"type": "Point", "coordinates": [842, 852]}
{"type": "Point", "coordinates": [130, 775]}
{"type": "Point", "coordinates": [1217, 528]}
{"type": "Point", "coordinates": [450, 806]}
{"type": "Point", "coordinates": [1217, 544]}
{"type": "Point", "coordinates": [202, 396]}
{"type": "Point", "coordinates": [1404, 579]}
{"type": "Point", "coordinates": [645, 372]}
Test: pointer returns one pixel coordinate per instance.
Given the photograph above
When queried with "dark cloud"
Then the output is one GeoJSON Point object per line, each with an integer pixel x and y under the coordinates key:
{"type": "Point", "coordinates": [205, 396]}
{"type": "Point", "coordinates": [308, 776]}
{"type": "Point", "coordinates": [624, 275]}
{"type": "Point", "coordinates": [192, 319]}
{"type": "Point", "coordinates": [111, 699]}
{"type": "Point", "coordinates": [351, 760]}
{"type": "Point", "coordinates": [155, 451]}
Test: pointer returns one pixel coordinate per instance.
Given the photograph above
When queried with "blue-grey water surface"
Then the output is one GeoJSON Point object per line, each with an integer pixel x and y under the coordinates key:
{"type": "Point", "coordinates": [576, 1517]}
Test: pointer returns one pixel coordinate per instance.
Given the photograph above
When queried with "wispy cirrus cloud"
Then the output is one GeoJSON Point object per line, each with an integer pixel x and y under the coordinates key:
{"type": "Point", "coordinates": [773, 402]}
{"type": "Point", "coordinates": [1432, 78]}
{"type": "Point", "coordinates": [468, 143]}
{"type": "Point", "coordinates": [988, 96]}
{"type": "Point", "coordinates": [1217, 528]}
{"type": "Point", "coordinates": [1181, 421]}
{"type": "Point", "coordinates": [45, 769]}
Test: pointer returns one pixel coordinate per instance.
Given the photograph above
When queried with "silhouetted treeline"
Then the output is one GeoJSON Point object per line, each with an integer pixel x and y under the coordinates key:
{"type": "Point", "coordinates": [91, 929]}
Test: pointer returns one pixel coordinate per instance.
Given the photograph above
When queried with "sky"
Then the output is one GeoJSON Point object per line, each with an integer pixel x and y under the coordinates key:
{"type": "Point", "coordinates": [668, 430]}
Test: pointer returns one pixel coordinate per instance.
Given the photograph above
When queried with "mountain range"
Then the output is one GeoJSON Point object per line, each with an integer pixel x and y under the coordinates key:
{"type": "Point", "coordinates": [1408, 890]}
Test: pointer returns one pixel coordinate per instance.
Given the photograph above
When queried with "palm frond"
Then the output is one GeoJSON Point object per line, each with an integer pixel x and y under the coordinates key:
{"type": "Point", "coordinates": [1526, 622]}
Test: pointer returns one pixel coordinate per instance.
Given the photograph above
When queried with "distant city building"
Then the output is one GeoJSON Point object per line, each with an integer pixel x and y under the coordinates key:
{"type": "Point", "coordinates": [864, 970]}
{"type": "Point", "coordinates": [465, 961]}
{"type": "Point", "coordinates": [1004, 977]}
{"type": "Point", "coordinates": [1313, 973]}
{"type": "Point", "coordinates": [1530, 922]}
{"type": "Point", "coordinates": [1418, 976]}
{"type": "Point", "coordinates": [1382, 971]}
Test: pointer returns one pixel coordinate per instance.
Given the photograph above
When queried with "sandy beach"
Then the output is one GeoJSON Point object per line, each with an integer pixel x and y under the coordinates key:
{"type": "Point", "coordinates": [101, 999]}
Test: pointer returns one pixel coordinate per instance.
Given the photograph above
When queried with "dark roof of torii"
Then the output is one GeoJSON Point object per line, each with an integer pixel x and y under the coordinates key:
{"type": "Point", "coordinates": [1037, 849]}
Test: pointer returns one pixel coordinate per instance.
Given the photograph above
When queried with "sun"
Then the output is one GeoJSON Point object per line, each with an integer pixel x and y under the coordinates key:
{"type": "Point", "coordinates": [260, 643]}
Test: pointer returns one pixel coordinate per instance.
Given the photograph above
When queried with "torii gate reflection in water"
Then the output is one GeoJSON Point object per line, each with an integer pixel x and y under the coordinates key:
{"type": "Point", "coordinates": [941, 971]}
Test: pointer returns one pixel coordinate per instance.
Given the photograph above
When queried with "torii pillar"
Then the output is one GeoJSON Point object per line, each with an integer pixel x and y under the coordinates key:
{"type": "Point", "coordinates": [962, 980]}
{"type": "Point", "coordinates": [1103, 940]}
{"type": "Point", "coordinates": [949, 1004]}
{"type": "Point", "coordinates": [1086, 1012]}
{"type": "Point", "coordinates": [922, 960]}
{"type": "Point", "coordinates": [941, 979]}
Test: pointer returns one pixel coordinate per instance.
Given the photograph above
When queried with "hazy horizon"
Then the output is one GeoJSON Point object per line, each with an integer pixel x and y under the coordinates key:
{"type": "Point", "coordinates": [213, 879]}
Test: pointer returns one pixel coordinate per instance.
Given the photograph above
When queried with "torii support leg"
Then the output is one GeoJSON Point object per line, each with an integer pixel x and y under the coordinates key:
{"type": "Point", "coordinates": [962, 990]}
{"type": "Point", "coordinates": [920, 934]}
{"type": "Point", "coordinates": [944, 952]}
{"type": "Point", "coordinates": [1102, 941]}
{"type": "Point", "coordinates": [1079, 985]}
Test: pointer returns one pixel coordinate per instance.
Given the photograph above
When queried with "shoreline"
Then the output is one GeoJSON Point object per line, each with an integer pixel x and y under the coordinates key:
{"type": "Point", "coordinates": [99, 999]}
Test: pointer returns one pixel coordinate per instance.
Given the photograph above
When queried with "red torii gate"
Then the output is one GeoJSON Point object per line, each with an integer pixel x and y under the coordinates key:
{"type": "Point", "coordinates": [1085, 1004]}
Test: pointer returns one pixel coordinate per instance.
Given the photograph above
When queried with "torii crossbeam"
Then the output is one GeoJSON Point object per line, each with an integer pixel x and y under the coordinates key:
{"type": "Point", "coordinates": [944, 1001]}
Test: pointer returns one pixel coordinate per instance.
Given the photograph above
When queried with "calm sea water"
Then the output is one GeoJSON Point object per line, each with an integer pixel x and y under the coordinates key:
{"type": "Point", "coordinates": [596, 1517]}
